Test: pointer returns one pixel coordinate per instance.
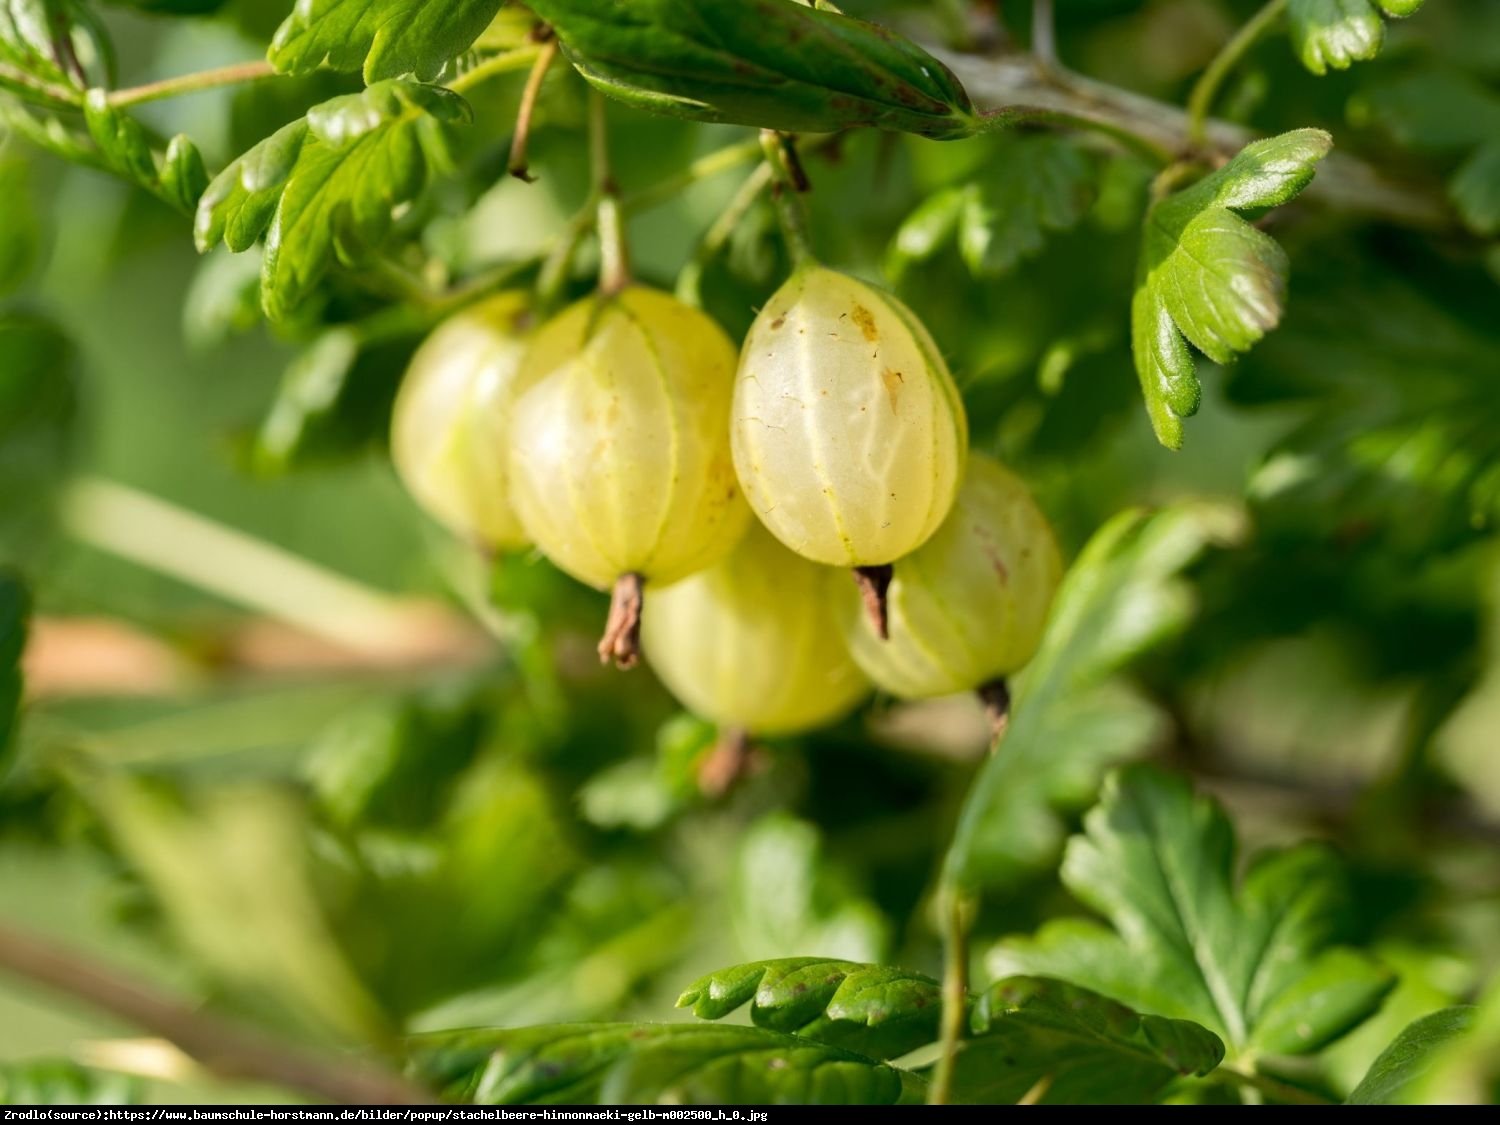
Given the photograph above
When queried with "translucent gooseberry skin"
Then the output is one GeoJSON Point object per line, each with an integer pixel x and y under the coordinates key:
{"type": "Point", "coordinates": [849, 434]}
{"type": "Point", "coordinates": [754, 642]}
{"type": "Point", "coordinates": [620, 459]}
{"type": "Point", "coordinates": [450, 426]}
{"type": "Point", "coordinates": [971, 604]}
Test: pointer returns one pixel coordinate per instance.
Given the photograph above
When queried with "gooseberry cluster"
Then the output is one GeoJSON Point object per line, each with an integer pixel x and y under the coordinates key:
{"type": "Point", "coordinates": [627, 441]}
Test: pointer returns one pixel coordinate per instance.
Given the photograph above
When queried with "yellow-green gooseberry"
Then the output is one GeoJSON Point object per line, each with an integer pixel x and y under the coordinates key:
{"type": "Point", "coordinates": [849, 433]}
{"type": "Point", "coordinates": [969, 607]}
{"type": "Point", "coordinates": [620, 464]}
{"type": "Point", "coordinates": [754, 642]}
{"type": "Point", "coordinates": [449, 439]}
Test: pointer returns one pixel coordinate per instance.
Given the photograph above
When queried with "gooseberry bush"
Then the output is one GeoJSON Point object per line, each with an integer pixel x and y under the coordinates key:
{"type": "Point", "coordinates": [1026, 471]}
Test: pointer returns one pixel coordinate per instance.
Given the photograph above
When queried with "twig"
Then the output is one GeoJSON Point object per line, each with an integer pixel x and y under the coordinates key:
{"type": "Point", "coordinates": [193, 83]}
{"type": "Point", "coordinates": [230, 1051]}
{"type": "Point", "coordinates": [1342, 181]}
{"type": "Point", "coordinates": [1201, 99]}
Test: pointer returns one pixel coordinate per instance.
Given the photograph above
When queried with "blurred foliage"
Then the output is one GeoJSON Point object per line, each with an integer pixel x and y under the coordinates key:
{"type": "Point", "coordinates": [501, 866]}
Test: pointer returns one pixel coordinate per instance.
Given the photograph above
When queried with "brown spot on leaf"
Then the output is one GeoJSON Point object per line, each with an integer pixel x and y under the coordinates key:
{"type": "Point", "coordinates": [894, 381]}
{"type": "Point", "coordinates": [866, 321]}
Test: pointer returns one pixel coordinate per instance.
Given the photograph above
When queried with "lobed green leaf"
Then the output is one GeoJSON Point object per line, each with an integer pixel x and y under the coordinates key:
{"type": "Point", "coordinates": [60, 43]}
{"type": "Point", "coordinates": [326, 188]}
{"type": "Point", "coordinates": [646, 1064]}
{"type": "Point", "coordinates": [1209, 278]}
{"type": "Point", "coordinates": [876, 1010]}
{"type": "Point", "coordinates": [1085, 1048]}
{"type": "Point", "coordinates": [1255, 964]}
{"type": "Point", "coordinates": [1035, 185]}
{"type": "Point", "coordinates": [1336, 33]}
{"type": "Point", "coordinates": [383, 38]}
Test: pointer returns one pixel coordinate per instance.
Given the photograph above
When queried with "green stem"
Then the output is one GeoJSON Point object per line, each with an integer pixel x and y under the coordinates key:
{"type": "Point", "coordinates": [958, 916]}
{"type": "Point", "coordinates": [785, 191]}
{"type": "Point", "coordinates": [519, 58]}
{"type": "Point", "coordinates": [1011, 116]}
{"type": "Point", "coordinates": [1201, 100]}
{"type": "Point", "coordinates": [690, 280]}
{"type": "Point", "coordinates": [192, 83]}
{"type": "Point", "coordinates": [614, 255]}
{"type": "Point", "coordinates": [1281, 1091]}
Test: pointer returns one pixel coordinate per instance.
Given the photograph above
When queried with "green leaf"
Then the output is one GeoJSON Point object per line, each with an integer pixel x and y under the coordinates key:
{"type": "Point", "coordinates": [1254, 963]}
{"type": "Point", "coordinates": [15, 607]}
{"type": "Point", "coordinates": [1038, 184]}
{"type": "Point", "coordinates": [646, 1064]}
{"type": "Point", "coordinates": [769, 63]}
{"type": "Point", "coordinates": [56, 42]}
{"type": "Point", "coordinates": [384, 38]}
{"type": "Point", "coordinates": [1398, 414]}
{"type": "Point", "coordinates": [1465, 1070]}
{"type": "Point", "coordinates": [787, 899]}
{"type": "Point", "coordinates": [1397, 1073]}
{"type": "Point", "coordinates": [1336, 33]}
{"type": "Point", "coordinates": [876, 1010]}
{"type": "Point", "coordinates": [334, 401]}
{"type": "Point", "coordinates": [38, 414]}
{"type": "Point", "coordinates": [1088, 1049]}
{"type": "Point", "coordinates": [177, 176]}
{"type": "Point", "coordinates": [1475, 189]}
{"type": "Point", "coordinates": [1073, 716]}
{"type": "Point", "coordinates": [327, 187]}
{"type": "Point", "coordinates": [1208, 276]}
{"type": "Point", "coordinates": [1033, 185]}
{"type": "Point", "coordinates": [58, 1082]}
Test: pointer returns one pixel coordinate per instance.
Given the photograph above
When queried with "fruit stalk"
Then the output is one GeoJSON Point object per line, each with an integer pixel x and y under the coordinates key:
{"type": "Point", "coordinates": [995, 696]}
{"type": "Point", "coordinates": [622, 632]}
{"type": "Point", "coordinates": [614, 257]}
{"type": "Point", "coordinates": [874, 584]}
{"type": "Point", "coordinates": [789, 180]}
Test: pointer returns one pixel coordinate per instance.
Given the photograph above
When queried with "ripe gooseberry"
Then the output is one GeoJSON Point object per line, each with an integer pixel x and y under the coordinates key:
{"type": "Point", "coordinates": [968, 608]}
{"type": "Point", "coordinates": [754, 642]}
{"type": "Point", "coordinates": [449, 428]}
{"type": "Point", "coordinates": [849, 434]}
{"type": "Point", "coordinates": [620, 464]}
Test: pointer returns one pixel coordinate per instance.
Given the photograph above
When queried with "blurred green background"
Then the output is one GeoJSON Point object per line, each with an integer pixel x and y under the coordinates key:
{"type": "Point", "coordinates": [472, 824]}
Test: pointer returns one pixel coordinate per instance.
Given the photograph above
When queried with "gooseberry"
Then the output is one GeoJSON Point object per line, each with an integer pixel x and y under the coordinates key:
{"type": "Point", "coordinates": [967, 608]}
{"type": "Point", "coordinates": [620, 463]}
{"type": "Point", "coordinates": [449, 428]}
{"type": "Point", "coordinates": [754, 642]}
